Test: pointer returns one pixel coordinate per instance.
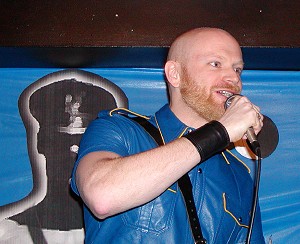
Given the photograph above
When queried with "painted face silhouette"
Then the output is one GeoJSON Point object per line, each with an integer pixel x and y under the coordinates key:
{"type": "Point", "coordinates": [56, 110]}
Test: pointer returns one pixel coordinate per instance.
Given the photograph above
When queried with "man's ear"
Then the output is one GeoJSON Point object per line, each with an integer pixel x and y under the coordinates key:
{"type": "Point", "coordinates": [172, 73]}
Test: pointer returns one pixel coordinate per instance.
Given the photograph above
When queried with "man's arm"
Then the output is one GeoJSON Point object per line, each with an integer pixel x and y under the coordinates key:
{"type": "Point", "coordinates": [110, 184]}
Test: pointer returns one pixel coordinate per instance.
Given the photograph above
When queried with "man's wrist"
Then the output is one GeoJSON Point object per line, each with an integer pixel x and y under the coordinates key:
{"type": "Point", "coordinates": [209, 139]}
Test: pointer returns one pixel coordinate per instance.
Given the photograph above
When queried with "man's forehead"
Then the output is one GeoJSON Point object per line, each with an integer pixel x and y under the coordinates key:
{"type": "Point", "coordinates": [203, 40]}
{"type": "Point", "coordinates": [214, 54]}
{"type": "Point", "coordinates": [222, 55]}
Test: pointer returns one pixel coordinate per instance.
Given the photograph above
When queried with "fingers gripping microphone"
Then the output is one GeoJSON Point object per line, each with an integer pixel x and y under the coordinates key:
{"type": "Point", "coordinates": [251, 136]}
{"type": "Point", "coordinates": [267, 138]}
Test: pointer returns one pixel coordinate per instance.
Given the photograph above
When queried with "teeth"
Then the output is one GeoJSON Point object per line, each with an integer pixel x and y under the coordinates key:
{"type": "Point", "coordinates": [226, 93]}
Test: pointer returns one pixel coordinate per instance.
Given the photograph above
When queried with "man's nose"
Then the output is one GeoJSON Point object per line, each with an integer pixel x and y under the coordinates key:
{"type": "Point", "coordinates": [232, 76]}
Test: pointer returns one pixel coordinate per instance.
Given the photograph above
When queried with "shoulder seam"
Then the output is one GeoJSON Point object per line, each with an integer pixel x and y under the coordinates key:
{"type": "Point", "coordinates": [125, 111]}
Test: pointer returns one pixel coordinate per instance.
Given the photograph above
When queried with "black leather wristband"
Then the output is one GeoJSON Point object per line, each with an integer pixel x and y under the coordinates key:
{"type": "Point", "coordinates": [209, 139]}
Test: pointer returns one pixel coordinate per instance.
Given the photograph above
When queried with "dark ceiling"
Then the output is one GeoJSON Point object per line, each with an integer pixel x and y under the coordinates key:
{"type": "Point", "coordinates": [26, 26]}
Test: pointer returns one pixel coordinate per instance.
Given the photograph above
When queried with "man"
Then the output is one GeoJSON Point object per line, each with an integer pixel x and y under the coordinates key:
{"type": "Point", "coordinates": [129, 185]}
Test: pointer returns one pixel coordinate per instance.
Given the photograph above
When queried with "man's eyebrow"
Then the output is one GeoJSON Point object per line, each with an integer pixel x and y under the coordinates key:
{"type": "Point", "coordinates": [212, 55]}
{"type": "Point", "coordinates": [209, 56]}
{"type": "Point", "coordinates": [240, 63]}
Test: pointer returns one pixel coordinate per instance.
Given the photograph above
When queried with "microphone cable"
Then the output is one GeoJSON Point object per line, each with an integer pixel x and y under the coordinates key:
{"type": "Point", "coordinates": [255, 146]}
{"type": "Point", "coordinates": [255, 194]}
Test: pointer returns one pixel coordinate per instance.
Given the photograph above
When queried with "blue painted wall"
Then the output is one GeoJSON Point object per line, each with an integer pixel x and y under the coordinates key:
{"type": "Point", "coordinates": [276, 92]}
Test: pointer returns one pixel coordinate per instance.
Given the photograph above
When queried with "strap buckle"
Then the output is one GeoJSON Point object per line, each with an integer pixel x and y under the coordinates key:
{"type": "Point", "coordinates": [201, 241]}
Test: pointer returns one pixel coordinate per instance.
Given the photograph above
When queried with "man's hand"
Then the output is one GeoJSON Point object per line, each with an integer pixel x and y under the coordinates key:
{"type": "Point", "coordinates": [240, 116]}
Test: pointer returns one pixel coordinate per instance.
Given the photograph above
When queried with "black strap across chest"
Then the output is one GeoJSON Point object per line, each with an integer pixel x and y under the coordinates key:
{"type": "Point", "coordinates": [184, 184]}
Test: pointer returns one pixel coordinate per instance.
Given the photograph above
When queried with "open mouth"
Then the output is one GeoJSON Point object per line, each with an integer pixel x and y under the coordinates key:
{"type": "Point", "coordinates": [225, 93]}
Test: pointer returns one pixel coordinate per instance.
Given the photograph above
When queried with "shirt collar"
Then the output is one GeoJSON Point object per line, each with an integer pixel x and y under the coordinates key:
{"type": "Point", "coordinates": [170, 126]}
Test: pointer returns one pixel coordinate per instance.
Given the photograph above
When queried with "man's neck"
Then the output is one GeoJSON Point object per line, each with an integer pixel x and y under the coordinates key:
{"type": "Point", "coordinates": [188, 116]}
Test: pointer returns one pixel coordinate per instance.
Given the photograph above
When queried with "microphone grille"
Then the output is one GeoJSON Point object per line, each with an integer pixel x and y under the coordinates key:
{"type": "Point", "coordinates": [229, 100]}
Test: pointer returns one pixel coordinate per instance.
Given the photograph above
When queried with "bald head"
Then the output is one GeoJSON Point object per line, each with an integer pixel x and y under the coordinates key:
{"type": "Point", "coordinates": [200, 63]}
{"type": "Point", "coordinates": [199, 38]}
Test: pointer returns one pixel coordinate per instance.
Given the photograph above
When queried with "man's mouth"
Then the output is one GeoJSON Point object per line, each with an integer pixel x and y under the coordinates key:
{"type": "Point", "coordinates": [225, 93]}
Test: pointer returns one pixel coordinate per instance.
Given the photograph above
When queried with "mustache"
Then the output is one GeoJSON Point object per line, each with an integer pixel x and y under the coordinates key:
{"type": "Point", "coordinates": [232, 88]}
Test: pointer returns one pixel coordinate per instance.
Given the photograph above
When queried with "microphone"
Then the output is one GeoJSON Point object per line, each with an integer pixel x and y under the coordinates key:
{"type": "Point", "coordinates": [251, 136]}
{"type": "Point", "coordinates": [268, 137]}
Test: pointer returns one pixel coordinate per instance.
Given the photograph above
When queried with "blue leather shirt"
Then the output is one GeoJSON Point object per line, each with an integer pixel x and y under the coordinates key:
{"type": "Point", "coordinates": [222, 189]}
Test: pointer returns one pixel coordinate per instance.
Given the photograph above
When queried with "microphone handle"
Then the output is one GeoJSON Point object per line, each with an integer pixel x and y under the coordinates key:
{"type": "Point", "coordinates": [252, 138]}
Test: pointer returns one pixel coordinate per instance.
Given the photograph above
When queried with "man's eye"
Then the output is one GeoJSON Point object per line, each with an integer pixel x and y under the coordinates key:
{"type": "Point", "coordinates": [238, 70]}
{"type": "Point", "coordinates": [215, 64]}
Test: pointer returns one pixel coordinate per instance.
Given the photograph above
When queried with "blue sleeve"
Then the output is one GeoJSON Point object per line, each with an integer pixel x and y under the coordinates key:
{"type": "Point", "coordinates": [106, 133]}
{"type": "Point", "coordinates": [116, 134]}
